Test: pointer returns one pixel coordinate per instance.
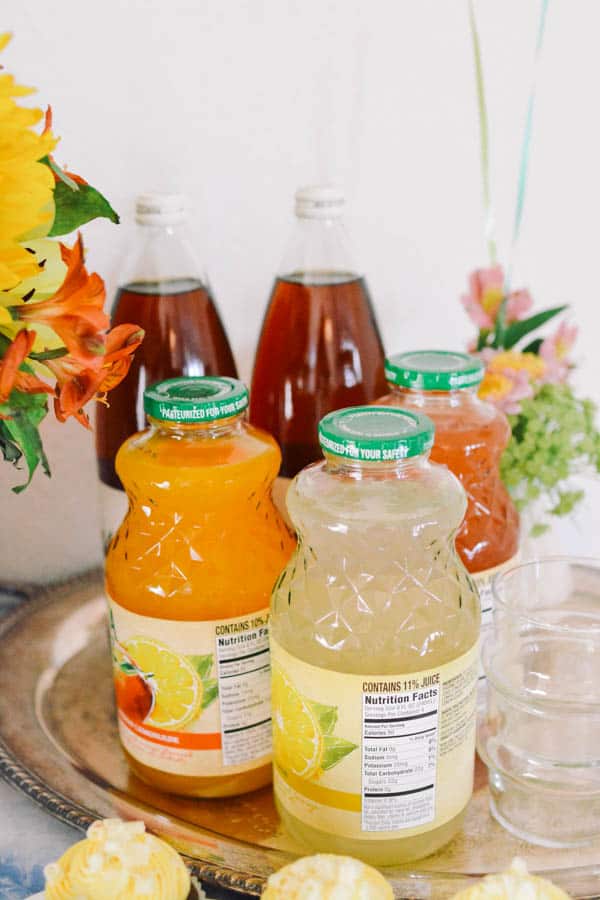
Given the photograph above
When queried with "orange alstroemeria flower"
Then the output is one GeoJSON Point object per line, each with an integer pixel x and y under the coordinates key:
{"type": "Point", "coordinates": [11, 377]}
{"type": "Point", "coordinates": [79, 382]}
{"type": "Point", "coordinates": [48, 129]}
{"type": "Point", "coordinates": [75, 311]}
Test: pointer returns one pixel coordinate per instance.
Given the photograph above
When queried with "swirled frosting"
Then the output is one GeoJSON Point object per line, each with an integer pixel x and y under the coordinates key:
{"type": "Point", "coordinates": [326, 876]}
{"type": "Point", "coordinates": [515, 884]}
{"type": "Point", "coordinates": [118, 861]}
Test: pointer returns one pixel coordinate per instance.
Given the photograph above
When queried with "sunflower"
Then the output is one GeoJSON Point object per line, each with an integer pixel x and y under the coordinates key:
{"type": "Point", "coordinates": [26, 184]}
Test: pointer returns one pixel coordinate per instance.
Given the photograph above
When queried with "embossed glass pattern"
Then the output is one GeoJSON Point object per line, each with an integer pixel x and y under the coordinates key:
{"type": "Point", "coordinates": [375, 586]}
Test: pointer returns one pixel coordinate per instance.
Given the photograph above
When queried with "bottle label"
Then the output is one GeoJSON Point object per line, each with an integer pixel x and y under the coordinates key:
{"type": "Point", "coordinates": [369, 756]}
{"type": "Point", "coordinates": [193, 698]}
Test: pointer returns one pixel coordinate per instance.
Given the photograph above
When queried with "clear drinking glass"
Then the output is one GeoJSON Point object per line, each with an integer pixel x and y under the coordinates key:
{"type": "Point", "coordinates": [539, 732]}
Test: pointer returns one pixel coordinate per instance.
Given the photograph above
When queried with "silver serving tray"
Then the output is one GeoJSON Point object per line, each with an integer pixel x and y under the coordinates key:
{"type": "Point", "coordinates": [59, 745]}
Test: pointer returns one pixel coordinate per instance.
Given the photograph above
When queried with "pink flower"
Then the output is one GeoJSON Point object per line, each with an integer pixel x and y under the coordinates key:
{"type": "Point", "coordinates": [519, 304]}
{"type": "Point", "coordinates": [486, 291]}
{"type": "Point", "coordinates": [485, 295]}
{"type": "Point", "coordinates": [506, 388]}
{"type": "Point", "coordinates": [555, 352]}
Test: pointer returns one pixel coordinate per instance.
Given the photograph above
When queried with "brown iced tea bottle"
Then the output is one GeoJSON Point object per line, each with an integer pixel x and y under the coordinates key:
{"type": "Point", "coordinates": [319, 348]}
{"type": "Point", "coordinates": [164, 290]}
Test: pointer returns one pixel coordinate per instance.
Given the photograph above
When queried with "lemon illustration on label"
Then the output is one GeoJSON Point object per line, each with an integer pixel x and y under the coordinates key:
{"type": "Point", "coordinates": [303, 740]}
{"type": "Point", "coordinates": [176, 685]}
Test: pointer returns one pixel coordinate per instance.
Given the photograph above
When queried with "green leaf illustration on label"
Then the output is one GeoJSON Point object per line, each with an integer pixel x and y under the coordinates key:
{"type": "Point", "coordinates": [334, 750]}
{"type": "Point", "coordinates": [211, 691]}
{"type": "Point", "coordinates": [210, 686]}
{"type": "Point", "coordinates": [202, 664]}
{"type": "Point", "coordinates": [128, 668]}
{"type": "Point", "coordinates": [327, 716]}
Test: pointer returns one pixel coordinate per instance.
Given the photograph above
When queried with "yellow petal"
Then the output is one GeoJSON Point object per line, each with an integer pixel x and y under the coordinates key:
{"type": "Point", "coordinates": [26, 198]}
{"type": "Point", "coordinates": [46, 280]}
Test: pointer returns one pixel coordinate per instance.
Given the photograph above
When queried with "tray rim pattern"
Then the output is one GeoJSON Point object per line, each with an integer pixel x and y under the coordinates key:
{"type": "Point", "coordinates": [34, 597]}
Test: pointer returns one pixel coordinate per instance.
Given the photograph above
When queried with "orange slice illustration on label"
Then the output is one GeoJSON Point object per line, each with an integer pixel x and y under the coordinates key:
{"type": "Point", "coordinates": [176, 686]}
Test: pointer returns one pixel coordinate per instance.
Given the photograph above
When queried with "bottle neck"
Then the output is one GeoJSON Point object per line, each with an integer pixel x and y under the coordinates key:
{"type": "Point", "coordinates": [319, 252]}
{"type": "Point", "coordinates": [436, 399]}
{"type": "Point", "coordinates": [199, 431]}
{"type": "Point", "coordinates": [161, 253]}
{"type": "Point", "coordinates": [374, 471]}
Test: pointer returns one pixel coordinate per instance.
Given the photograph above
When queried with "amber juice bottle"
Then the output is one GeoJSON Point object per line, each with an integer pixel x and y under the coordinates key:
{"type": "Point", "coordinates": [163, 289]}
{"type": "Point", "coordinates": [319, 347]}
{"type": "Point", "coordinates": [470, 437]}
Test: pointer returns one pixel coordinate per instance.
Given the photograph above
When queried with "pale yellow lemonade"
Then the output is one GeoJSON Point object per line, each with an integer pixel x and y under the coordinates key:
{"type": "Point", "coordinates": [374, 633]}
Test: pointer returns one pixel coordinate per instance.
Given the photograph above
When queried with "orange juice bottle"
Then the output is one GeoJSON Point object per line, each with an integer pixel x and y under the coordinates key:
{"type": "Point", "coordinates": [470, 437]}
{"type": "Point", "coordinates": [188, 576]}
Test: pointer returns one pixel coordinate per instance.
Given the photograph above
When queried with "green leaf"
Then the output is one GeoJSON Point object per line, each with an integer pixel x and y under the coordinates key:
{"type": "Point", "coordinates": [482, 339]}
{"type": "Point", "coordinates": [25, 412]}
{"type": "Point", "coordinates": [567, 501]}
{"type": "Point", "coordinates": [538, 530]}
{"type": "Point", "coordinates": [334, 750]}
{"type": "Point", "coordinates": [211, 691]}
{"type": "Point", "coordinates": [8, 448]}
{"type": "Point", "coordinates": [326, 715]}
{"type": "Point", "coordinates": [202, 664]}
{"type": "Point", "coordinates": [500, 326]}
{"type": "Point", "coordinates": [534, 346]}
{"type": "Point", "coordinates": [75, 207]}
{"type": "Point", "coordinates": [517, 330]}
{"type": "Point", "coordinates": [43, 355]}
{"type": "Point", "coordinates": [60, 173]}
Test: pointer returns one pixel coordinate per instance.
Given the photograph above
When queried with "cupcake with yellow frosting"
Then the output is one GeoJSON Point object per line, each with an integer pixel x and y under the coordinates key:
{"type": "Point", "coordinates": [119, 861]}
{"type": "Point", "coordinates": [515, 884]}
{"type": "Point", "coordinates": [326, 876]}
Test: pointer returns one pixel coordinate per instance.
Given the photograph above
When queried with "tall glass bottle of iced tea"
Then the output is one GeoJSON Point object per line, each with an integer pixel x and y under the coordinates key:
{"type": "Point", "coordinates": [188, 576]}
{"type": "Point", "coordinates": [470, 437]}
{"type": "Point", "coordinates": [164, 289]}
{"type": "Point", "coordinates": [319, 348]}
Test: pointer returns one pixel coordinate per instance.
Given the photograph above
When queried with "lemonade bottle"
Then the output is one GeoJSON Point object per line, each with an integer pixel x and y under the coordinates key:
{"type": "Point", "coordinates": [374, 634]}
{"type": "Point", "coordinates": [188, 577]}
{"type": "Point", "coordinates": [470, 437]}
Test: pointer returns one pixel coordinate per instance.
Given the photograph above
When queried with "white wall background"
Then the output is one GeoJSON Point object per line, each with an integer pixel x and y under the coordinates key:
{"type": "Point", "coordinates": [237, 102]}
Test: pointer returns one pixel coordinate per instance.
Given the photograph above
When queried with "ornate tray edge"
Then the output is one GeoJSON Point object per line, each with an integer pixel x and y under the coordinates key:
{"type": "Point", "coordinates": [78, 817]}
{"type": "Point", "coordinates": [23, 780]}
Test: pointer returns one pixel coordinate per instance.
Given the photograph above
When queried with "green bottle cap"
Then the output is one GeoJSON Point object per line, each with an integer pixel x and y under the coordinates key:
{"type": "Point", "coordinates": [434, 370]}
{"type": "Point", "coordinates": [195, 399]}
{"type": "Point", "coordinates": [375, 433]}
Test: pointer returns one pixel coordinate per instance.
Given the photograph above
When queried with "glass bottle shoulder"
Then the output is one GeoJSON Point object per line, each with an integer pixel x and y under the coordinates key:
{"type": "Point", "coordinates": [197, 454]}
{"type": "Point", "coordinates": [375, 584]}
{"type": "Point", "coordinates": [406, 493]}
{"type": "Point", "coordinates": [454, 412]}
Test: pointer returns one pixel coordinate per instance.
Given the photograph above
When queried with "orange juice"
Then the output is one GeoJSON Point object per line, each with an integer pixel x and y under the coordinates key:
{"type": "Point", "coordinates": [188, 576]}
{"type": "Point", "coordinates": [470, 438]}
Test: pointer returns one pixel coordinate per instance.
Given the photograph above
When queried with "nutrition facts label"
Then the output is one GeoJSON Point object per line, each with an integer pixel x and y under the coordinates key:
{"type": "Point", "coordinates": [243, 669]}
{"type": "Point", "coordinates": [399, 755]}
